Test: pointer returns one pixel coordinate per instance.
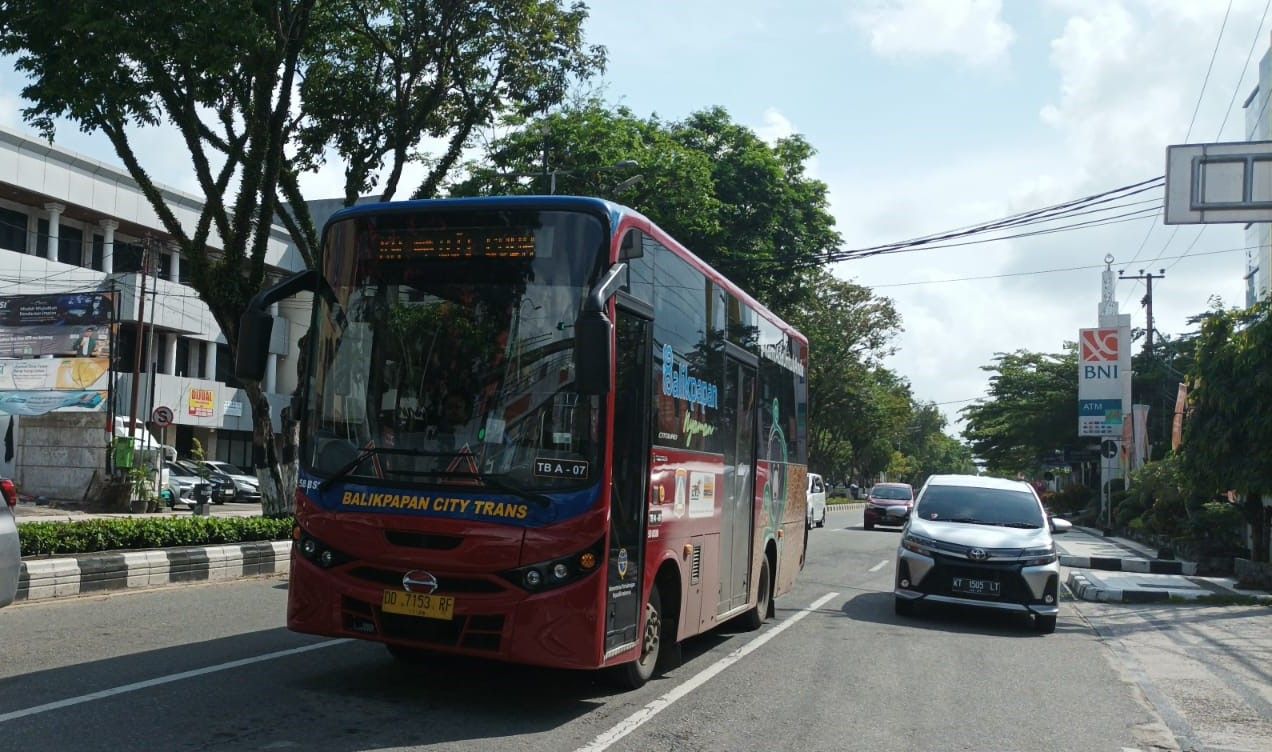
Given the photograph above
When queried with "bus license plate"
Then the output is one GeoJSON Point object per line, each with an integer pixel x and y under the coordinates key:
{"type": "Point", "coordinates": [418, 604]}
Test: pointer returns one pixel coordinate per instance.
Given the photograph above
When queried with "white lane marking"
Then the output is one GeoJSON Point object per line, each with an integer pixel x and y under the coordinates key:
{"type": "Point", "coordinates": [635, 720]}
{"type": "Point", "coordinates": [879, 566]}
{"type": "Point", "coordinates": [160, 680]}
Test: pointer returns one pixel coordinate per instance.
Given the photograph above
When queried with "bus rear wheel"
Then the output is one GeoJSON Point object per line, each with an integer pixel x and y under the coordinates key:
{"type": "Point", "coordinates": [634, 675]}
{"type": "Point", "coordinates": [754, 619]}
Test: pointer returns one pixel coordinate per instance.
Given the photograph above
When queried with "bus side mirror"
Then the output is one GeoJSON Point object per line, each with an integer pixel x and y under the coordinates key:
{"type": "Point", "coordinates": [252, 354]}
{"type": "Point", "coordinates": [593, 352]}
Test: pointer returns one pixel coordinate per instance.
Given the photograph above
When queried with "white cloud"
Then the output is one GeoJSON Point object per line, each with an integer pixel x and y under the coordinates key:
{"type": "Point", "coordinates": [972, 31]}
{"type": "Point", "coordinates": [775, 126]}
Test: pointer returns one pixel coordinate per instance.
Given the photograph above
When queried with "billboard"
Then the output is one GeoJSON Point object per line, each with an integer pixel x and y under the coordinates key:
{"type": "Point", "coordinates": [58, 325]}
{"type": "Point", "coordinates": [39, 403]}
{"type": "Point", "coordinates": [54, 374]}
{"type": "Point", "coordinates": [1103, 365]}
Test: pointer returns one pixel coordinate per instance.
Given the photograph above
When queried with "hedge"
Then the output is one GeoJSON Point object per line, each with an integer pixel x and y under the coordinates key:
{"type": "Point", "coordinates": [88, 536]}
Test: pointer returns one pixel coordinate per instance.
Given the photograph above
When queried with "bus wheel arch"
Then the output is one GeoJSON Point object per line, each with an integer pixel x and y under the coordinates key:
{"type": "Point", "coordinates": [770, 554]}
{"type": "Point", "coordinates": [670, 590]}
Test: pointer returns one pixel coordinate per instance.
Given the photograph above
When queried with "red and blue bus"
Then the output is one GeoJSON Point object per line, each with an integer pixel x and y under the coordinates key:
{"type": "Point", "coordinates": [536, 429]}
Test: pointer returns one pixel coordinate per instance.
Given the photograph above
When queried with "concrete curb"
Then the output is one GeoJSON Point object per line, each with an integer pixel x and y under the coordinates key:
{"type": "Point", "coordinates": [1141, 566]}
{"type": "Point", "coordinates": [1083, 588]}
{"type": "Point", "coordinates": [42, 579]}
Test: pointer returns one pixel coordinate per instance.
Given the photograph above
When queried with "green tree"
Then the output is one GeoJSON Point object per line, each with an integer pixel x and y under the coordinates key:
{"type": "Point", "coordinates": [232, 77]}
{"type": "Point", "coordinates": [743, 206]}
{"type": "Point", "coordinates": [1030, 411]}
{"type": "Point", "coordinates": [1228, 432]}
{"type": "Point", "coordinates": [925, 448]}
{"type": "Point", "coordinates": [849, 330]}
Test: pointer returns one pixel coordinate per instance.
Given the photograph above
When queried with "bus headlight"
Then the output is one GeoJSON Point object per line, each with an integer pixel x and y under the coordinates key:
{"type": "Point", "coordinates": [557, 572]}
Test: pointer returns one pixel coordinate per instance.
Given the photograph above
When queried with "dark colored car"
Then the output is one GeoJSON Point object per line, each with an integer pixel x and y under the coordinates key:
{"type": "Point", "coordinates": [222, 486]}
{"type": "Point", "coordinates": [888, 504]}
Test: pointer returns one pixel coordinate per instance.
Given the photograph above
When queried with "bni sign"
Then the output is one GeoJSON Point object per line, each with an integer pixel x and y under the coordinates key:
{"type": "Point", "coordinates": [1100, 372]}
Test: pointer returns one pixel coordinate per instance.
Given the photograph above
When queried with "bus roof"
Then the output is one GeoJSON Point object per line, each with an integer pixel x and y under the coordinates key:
{"type": "Point", "coordinates": [615, 212]}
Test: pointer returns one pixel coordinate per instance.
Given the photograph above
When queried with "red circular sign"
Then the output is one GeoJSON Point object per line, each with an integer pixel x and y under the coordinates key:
{"type": "Point", "coordinates": [162, 416]}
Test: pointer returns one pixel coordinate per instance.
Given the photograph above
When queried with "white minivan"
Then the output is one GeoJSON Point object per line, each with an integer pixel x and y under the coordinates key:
{"type": "Point", "coordinates": [816, 501]}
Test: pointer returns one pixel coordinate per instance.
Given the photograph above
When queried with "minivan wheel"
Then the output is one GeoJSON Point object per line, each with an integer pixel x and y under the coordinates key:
{"type": "Point", "coordinates": [1045, 624]}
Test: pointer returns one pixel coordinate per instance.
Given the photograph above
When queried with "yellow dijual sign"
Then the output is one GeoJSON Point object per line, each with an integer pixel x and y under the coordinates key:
{"type": "Point", "coordinates": [53, 374]}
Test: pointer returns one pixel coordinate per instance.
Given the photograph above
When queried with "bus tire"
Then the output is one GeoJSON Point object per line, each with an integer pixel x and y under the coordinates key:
{"type": "Point", "coordinates": [754, 619]}
{"type": "Point", "coordinates": [634, 674]}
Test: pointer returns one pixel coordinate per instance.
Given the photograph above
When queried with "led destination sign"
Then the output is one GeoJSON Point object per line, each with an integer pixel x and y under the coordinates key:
{"type": "Point", "coordinates": [459, 243]}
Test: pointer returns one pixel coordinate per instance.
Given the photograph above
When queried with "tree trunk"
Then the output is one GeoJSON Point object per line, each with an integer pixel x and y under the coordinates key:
{"type": "Point", "coordinates": [276, 499]}
{"type": "Point", "coordinates": [1255, 515]}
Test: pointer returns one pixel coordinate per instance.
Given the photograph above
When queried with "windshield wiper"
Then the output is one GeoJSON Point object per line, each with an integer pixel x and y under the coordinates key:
{"type": "Point", "coordinates": [366, 454]}
{"type": "Point", "coordinates": [970, 521]}
{"type": "Point", "coordinates": [1021, 525]}
{"type": "Point", "coordinates": [496, 482]}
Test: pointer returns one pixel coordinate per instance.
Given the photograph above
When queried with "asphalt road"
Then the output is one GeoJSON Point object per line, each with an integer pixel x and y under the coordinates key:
{"type": "Point", "coordinates": [210, 667]}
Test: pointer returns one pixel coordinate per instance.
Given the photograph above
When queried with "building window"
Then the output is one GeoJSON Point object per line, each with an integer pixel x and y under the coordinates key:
{"type": "Point", "coordinates": [183, 357]}
{"type": "Point", "coordinates": [127, 257]}
{"type": "Point", "coordinates": [70, 245]}
{"type": "Point", "coordinates": [201, 360]}
{"type": "Point", "coordinates": [99, 253]}
{"type": "Point", "coordinates": [165, 266]}
{"type": "Point", "coordinates": [13, 230]}
{"type": "Point", "coordinates": [225, 367]}
{"type": "Point", "coordinates": [42, 238]}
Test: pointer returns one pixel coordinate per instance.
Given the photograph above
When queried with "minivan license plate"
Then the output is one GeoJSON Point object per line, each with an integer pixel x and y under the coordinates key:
{"type": "Point", "coordinates": [967, 586]}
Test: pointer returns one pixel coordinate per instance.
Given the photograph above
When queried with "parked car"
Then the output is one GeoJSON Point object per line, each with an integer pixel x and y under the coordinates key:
{"type": "Point", "coordinates": [888, 504]}
{"type": "Point", "coordinates": [979, 541]}
{"type": "Point", "coordinates": [816, 501]}
{"type": "Point", "coordinates": [222, 486]}
{"type": "Point", "coordinates": [246, 487]}
{"type": "Point", "coordinates": [10, 550]}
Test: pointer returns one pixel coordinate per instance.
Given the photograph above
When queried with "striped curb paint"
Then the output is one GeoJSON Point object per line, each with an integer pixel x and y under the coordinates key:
{"type": "Point", "coordinates": [42, 579]}
{"type": "Point", "coordinates": [1139, 566]}
{"type": "Point", "coordinates": [1084, 589]}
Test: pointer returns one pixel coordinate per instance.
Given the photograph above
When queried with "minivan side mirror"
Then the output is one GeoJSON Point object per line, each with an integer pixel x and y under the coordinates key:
{"type": "Point", "coordinates": [1059, 525]}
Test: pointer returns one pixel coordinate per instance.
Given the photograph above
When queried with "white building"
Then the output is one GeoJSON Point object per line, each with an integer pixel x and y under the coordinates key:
{"type": "Point", "coordinates": [73, 224]}
{"type": "Point", "coordinates": [1258, 235]}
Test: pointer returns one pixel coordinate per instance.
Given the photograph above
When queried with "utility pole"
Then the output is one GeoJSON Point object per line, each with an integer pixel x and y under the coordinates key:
{"type": "Point", "coordinates": [1147, 301]}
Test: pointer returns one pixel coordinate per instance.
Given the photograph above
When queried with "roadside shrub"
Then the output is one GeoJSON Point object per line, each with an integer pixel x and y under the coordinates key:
{"type": "Point", "coordinates": [88, 536]}
{"type": "Point", "coordinates": [1071, 500]}
{"type": "Point", "coordinates": [1217, 529]}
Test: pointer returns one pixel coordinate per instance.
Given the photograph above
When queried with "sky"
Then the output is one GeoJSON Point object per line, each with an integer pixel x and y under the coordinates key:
{"type": "Point", "coordinates": [930, 115]}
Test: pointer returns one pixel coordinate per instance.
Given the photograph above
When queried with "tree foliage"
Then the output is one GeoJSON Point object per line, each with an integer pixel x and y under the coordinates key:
{"type": "Point", "coordinates": [1030, 411]}
{"type": "Point", "coordinates": [1228, 431]}
{"type": "Point", "coordinates": [260, 92]}
{"type": "Point", "coordinates": [745, 207]}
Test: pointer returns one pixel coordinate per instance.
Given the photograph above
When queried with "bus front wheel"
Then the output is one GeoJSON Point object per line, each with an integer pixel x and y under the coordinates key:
{"type": "Point", "coordinates": [634, 675]}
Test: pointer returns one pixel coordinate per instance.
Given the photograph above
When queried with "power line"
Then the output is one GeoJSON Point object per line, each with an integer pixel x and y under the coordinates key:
{"type": "Point", "coordinates": [1034, 272]}
{"type": "Point", "coordinates": [1258, 34]}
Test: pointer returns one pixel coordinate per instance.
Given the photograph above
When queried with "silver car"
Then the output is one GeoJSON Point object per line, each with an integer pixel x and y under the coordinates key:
{"type": "Point", "coordinates": [983, 542]}
{"type": "Point", "coordinates": [10, 551]}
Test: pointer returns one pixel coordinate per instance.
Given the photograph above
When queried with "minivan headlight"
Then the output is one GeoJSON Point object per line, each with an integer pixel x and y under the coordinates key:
{"type": "Point", "coordinates": [918, 544]}
{"type": "Point", "coordinates": [1033, 557]}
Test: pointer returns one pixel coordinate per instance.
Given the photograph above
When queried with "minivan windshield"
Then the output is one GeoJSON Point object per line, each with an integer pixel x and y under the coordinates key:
{"type": "Point", "coordinates": [983, 506]}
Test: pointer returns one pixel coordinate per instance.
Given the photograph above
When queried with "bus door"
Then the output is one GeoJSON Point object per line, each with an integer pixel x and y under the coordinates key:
{"type": "Point", "coordinates": [737, 519]}
{"type": "Point", "coordinates": [629, 491]}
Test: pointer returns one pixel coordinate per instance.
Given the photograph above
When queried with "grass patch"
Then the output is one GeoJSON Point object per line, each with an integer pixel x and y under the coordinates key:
{"type": "Point", "coordinates": [130, 534]}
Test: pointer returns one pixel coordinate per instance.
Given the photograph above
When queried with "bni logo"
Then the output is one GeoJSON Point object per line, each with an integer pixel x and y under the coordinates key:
{"type": "Point", "coordinates": [1098, 345]}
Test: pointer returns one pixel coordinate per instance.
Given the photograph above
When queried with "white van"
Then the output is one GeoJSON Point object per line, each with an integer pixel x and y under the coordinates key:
{"type": "Point", "coordinates": [816, 501]}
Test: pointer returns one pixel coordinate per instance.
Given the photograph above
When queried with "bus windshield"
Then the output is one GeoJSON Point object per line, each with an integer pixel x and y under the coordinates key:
{"type": "Point", "coordinates": [445, 350]}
